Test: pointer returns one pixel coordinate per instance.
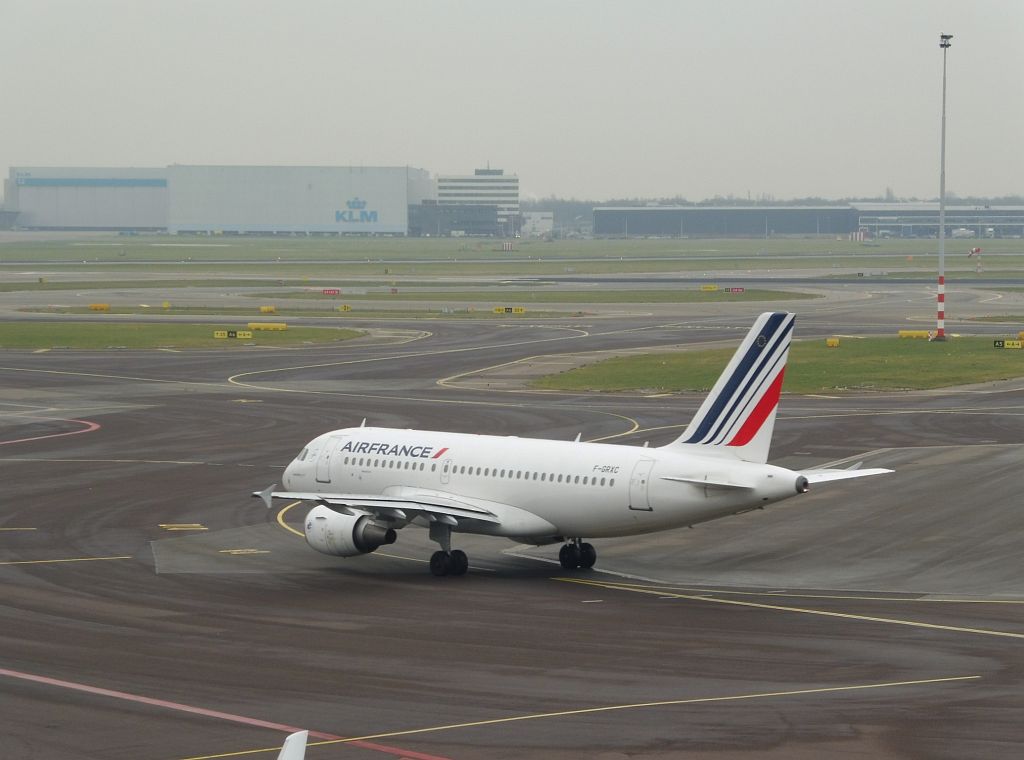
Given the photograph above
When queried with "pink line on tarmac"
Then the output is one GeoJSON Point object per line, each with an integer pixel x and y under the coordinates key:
{"type": "Point", "coordinates": [89, 427]}
{"type": "Point", "coordinates": [209, 713]}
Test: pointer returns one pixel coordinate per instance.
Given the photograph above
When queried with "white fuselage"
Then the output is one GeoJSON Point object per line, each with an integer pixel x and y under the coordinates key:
{"type": "Point", "coordinates": [541, 489]}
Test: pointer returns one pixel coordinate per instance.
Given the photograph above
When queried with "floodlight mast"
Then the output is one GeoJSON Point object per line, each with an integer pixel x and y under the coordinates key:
{"type": "Point", "coordinates": [940, 321]}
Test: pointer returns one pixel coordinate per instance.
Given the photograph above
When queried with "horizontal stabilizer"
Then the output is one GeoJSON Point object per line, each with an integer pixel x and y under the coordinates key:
{"type": "Point", "coordinates": [824, 476]}
{"type": "Point", "coordinates": [716, 483]}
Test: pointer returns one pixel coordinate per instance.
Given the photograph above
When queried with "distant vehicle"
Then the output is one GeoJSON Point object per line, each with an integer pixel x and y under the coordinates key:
{"type": "Point", "coordinates": [366, 483]}
{"type": "Point", "coordinates": [990, 232]}
{"type": "Point", "coordinates": [962, 232]}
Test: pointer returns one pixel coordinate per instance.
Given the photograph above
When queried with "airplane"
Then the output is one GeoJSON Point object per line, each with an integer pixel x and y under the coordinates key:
{"type": "Point", "coordinates": [366, 483]}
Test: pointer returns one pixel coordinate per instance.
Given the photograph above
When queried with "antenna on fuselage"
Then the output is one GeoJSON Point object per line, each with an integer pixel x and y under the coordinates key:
{"type": "Point", "coordinates": [577, 438]}
{"type": "Point", "coordinates": [363, 423]}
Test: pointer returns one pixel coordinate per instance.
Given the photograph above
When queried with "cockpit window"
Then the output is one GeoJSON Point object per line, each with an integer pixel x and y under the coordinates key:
{"type": "Point", "coordinates": [302, 455]}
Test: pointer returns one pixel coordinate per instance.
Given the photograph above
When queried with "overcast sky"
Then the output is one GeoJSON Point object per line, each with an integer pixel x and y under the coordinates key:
{"type": "Point", "coordinates": [587, 99]}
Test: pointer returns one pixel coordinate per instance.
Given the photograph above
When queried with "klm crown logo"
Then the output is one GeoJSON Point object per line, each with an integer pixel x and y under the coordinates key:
{"type": "Point", "coordinates": [355, 212]}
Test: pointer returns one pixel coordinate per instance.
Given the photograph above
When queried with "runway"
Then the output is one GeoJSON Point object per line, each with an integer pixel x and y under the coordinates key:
{"type": "Point", "coordinates": [152, 609]}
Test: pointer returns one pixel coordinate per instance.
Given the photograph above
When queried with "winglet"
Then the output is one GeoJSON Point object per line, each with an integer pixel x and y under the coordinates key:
{"type": "Point", "coordinates": [266, 494]}
{"type": "Point", "coordinates": [294, 746]}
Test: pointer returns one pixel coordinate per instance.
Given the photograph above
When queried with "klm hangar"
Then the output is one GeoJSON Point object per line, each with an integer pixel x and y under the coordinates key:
{"type": "Point", "coordinates": [219, 199]}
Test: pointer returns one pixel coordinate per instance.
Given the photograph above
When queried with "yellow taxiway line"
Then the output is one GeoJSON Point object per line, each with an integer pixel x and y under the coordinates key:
{"type": "Point", "coordinates": [800, 610]}
{"type": "Point", "coordinates": [610, 708]}
{"type": "Point", "coordinates": [921, 599]}
{"type": "Point", "coordinates": [51, 561]}
{"type": "Point", "coordinates": [286, 526]}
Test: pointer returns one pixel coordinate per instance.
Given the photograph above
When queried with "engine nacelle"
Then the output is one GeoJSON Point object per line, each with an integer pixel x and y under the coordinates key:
{"type": "Point", "coordinates": [343, 535]}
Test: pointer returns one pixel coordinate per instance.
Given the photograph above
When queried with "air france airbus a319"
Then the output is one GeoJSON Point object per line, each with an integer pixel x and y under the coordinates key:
{"type": "Point", "coordinates": [367, 483]}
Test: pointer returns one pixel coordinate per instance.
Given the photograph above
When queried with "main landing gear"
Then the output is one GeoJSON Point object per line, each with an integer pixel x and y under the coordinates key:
{"type": "Point", "coordinates": [449, 563]}
{"type": "Point", "coordinates": [577, 554]}
{"type": "Point", "coordinates": [446, 561]}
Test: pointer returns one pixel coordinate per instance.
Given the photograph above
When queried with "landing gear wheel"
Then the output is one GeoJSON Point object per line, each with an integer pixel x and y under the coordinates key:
{"type": "Point", "coordinates": [440, 563]}
{"type": "Point", "coordinates": [569, 557]}
{"type": "Point", "coordinates": [459, 562]}
{"type": "Point", "coordinates": [588, 556]}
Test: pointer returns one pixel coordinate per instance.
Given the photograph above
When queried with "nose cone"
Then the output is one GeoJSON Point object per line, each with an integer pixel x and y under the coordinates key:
{"type": "Point", "coordinates": [289, 475]}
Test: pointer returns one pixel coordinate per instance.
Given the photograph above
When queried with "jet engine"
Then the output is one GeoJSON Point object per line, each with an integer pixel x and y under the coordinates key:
{"type": "Point", "coordinates": [344, 535]}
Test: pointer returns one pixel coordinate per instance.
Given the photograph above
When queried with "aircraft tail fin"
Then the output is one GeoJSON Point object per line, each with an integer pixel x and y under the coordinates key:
{"type": "Point", "coordinates": [294, 746]}
{"type": "Point", "coordinates": [738, 416]}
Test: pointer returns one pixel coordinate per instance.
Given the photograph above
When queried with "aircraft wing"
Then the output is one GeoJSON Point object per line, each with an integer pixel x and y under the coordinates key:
{"type": "Point", "coordinates": [444, 508]}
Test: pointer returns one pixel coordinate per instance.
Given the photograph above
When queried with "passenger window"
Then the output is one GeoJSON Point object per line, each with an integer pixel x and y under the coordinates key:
{"type": "Point", "coordinates": [559, 478]}
{"type": "Point", "coordinates": [577, 479]}
{"type": "Point", "coordinates": [584, 480]}
{"type": "Point", "coordinates": [611, 482]}
{"type": "Point", "coordinates": [543, 476]}
{"type": "Point", "coordinates": [602, 481]}
{"type": "Point", "coordinates": [433, 467]}
{"type": "Point", "coordinates": [502, 473]}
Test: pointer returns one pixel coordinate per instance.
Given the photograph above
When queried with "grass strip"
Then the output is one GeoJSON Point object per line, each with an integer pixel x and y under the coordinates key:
{"type": "Point", "coordinates": [590, 296]}
{"type": "Point", "coordinates": [254, 312]}
{"type": "Point", "coordinates": [857, 364]}
{"type": "Point", "coordinates": [36, 335]}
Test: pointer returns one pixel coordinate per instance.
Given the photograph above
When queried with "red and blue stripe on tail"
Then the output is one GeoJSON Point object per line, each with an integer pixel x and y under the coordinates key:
{"type": "Point", "coordinates": [738, 416]}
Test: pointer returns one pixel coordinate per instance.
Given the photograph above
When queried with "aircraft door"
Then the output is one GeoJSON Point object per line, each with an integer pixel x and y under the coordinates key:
{"type": "Point", "coordinates": [446, 470]}
{"type": "Point", "coordinates": [323, 462]}
{"type": "Point", "coordinates": [638, 486]}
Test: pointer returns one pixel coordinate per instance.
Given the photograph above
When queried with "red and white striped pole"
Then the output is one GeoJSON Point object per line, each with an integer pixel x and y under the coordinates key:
{"type": "Point", "coordinates": [940, 322]}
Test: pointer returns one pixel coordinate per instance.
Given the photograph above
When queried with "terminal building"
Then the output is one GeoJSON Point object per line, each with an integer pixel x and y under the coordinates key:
{"type": "Point", "coordinates": [485, 187]}
{"type": "Point", "coordinates": [861, 219]}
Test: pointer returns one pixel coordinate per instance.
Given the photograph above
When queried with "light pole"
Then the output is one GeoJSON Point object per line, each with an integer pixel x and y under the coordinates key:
{"type": "Point", "coordinates": [940, 322]}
